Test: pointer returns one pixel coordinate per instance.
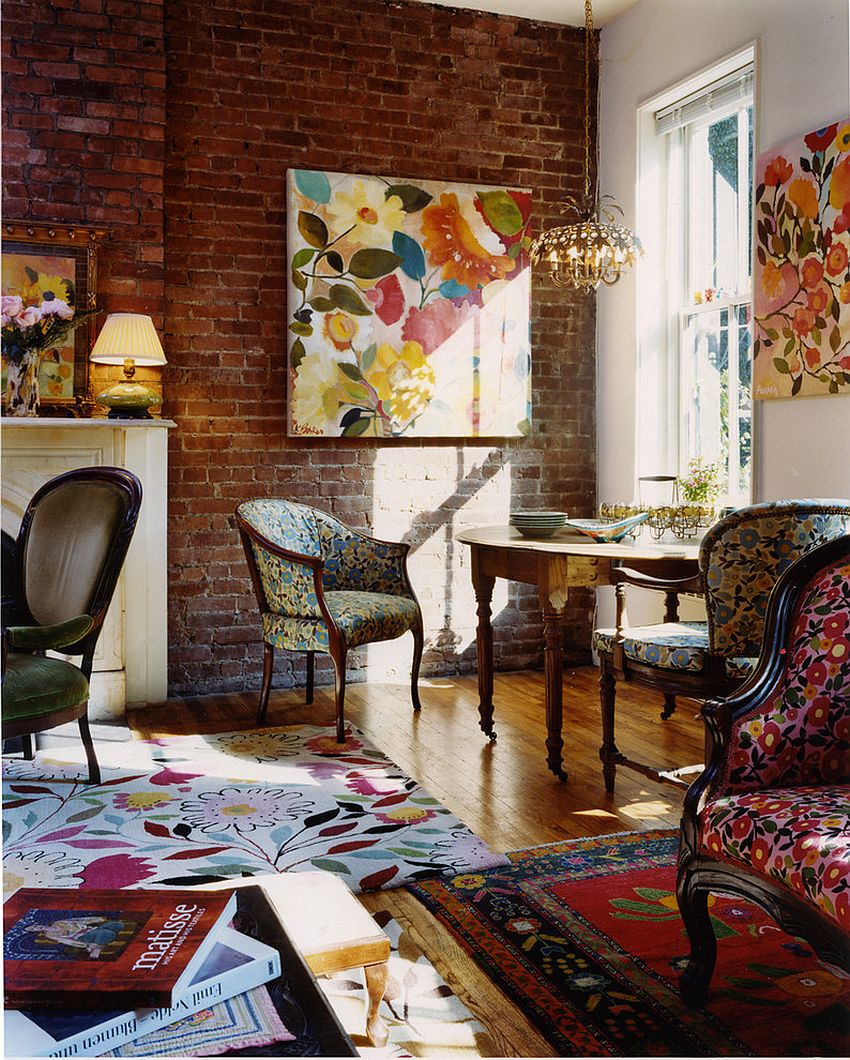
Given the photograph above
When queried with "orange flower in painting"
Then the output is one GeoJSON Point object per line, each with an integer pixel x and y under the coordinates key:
{"type": "Point", "coordinates": [819, 299]}
{"type": "Point", "coordinates": [844, 293]}
{"type": "Point", "coordinates": [839, 186]}
{"type": "Point", "coordinates": [802, 322]}
{"type": "Point", "coordinates": [811, 272]}
{"type": "Point", "coordinates": [777, 172]}
{"type": "Point", "coordinates": [451, 243]}
{"type": "Point", "coordinates": [812, 356]}
{"type": "Point", "coordinates": [804, 196]}
{"type": "Point", "coordinates": [836, 259]}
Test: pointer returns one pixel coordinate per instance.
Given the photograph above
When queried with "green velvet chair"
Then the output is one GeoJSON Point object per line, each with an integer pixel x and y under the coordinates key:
{"type": "Point", "coordinates": [60, 577]}
{"type": "Point", "coordinates": [323, 587]}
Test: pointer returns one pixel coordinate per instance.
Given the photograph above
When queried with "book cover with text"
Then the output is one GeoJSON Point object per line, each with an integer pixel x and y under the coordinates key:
{"type": "Point", "coordinates": [235, 964]}
{"type": "Point", "coordinates": [102, 949]}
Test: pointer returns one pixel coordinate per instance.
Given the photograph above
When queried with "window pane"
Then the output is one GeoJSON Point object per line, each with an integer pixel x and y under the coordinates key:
{"type": "Point", "coordinates": [714, 206]}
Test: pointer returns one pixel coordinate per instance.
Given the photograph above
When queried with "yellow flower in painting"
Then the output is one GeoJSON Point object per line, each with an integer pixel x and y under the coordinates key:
{"type": "Point", "coordinates": [804, 196]}
{"type": "Point", "coordinates": [45, 289]}
{"type": "Point", "coordinates": [771, 279]}
{"type": "Point", "coordinates": [842, 140]}
{"type": "Point", "coordinates": [404, 381]}
{"type": "Point", "coordinates": [372, 216]}
{"type": "Point", "coordinates": [315, 400]}
{"type": "Point", "coordinates": [451, 243]}
{"type": "Point", "coordinates": [340, 328]}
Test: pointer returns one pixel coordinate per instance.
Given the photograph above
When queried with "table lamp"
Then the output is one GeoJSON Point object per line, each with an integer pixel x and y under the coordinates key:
{"type": "Point", "coordinates": [128, 339]}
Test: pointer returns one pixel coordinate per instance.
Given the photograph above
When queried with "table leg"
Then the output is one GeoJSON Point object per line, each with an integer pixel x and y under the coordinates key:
{"type": "Point", "coordinates": [377, 976]}
{"type": "Point", "coordinates": [483, 585]}
{"type": "Point", "coordinates": [553, 636]}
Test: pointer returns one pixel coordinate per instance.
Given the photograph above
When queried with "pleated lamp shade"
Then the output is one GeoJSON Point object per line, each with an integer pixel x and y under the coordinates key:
{"type": "Point", "coordinates": [128, 335]}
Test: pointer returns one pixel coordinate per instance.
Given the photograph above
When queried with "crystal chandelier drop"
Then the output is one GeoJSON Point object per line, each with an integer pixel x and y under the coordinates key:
{"type": "Point", "coordinates": [593, 249]}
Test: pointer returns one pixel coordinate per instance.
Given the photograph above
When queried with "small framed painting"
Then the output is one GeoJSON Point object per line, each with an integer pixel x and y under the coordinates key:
{"type": "Point", "coordinates": [42, 263]}
{"type": "Point", "coordinates": [408, 308]}
{"type": "Point", "coordinates": [802, 271]}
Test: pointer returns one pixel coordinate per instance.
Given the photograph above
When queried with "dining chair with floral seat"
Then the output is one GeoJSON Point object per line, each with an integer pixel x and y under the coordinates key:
{"type": "Point", "coordinates": [322, 586]}
{"type": "Point", "coordinates": [768, 820]}
{"type": "Point", "coordinates": [740, 558]}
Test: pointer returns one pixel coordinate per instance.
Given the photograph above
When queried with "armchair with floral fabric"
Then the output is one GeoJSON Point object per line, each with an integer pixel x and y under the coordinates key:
{"type": "Point", "coordinates": [769, 818]}
{"type": "Point", "coordinates": [322, 586]}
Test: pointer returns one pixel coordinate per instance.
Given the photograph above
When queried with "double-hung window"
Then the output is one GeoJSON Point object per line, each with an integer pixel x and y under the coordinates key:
{"type": "Point", "coordinates": [695, 192]}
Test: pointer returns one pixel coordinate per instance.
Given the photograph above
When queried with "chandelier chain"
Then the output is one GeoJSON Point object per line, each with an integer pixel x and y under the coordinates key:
{"type": "Point", "coordinates": [588, 34]}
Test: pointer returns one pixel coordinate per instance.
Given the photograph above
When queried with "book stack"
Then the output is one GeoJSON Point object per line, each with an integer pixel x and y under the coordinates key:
{"type": "Point", "coordinates": [88, 971]}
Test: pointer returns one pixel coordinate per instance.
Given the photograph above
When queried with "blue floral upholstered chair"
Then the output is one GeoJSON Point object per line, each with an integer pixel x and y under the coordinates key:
{"type": "Point", "coordinates": [769, 818]}
{"type": "Point", "coordinates": [740, 559]}
{"type": "Point", "coordinates": [324, 587]}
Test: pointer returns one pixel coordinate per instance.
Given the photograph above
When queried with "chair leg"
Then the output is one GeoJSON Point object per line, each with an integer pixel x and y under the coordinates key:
{"type": "Point", "coordinates": [339, 658]}
{"type": "Point", "coordinates": [607, 697]}
{"type": "Point", "coordinates": [669, 707]}
{"type": "Point", "coordinates": [418, 644]}
{"type": "Point", "coordinates": [88, 744]}
{"type": "Point", "coordinates": [311, 673]}
{"type": "Point", "coordinates": [693, 905]}
{"type": "Point", "coordinates": [28, 746]}
{"type": "Point", "coordinates": [265, 690]}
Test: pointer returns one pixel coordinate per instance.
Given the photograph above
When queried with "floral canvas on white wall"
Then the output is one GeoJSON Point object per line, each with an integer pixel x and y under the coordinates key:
{"type": "Point", "coordinates": [802, 272]}
{"type": "Point", "coordinates": [409, 308]}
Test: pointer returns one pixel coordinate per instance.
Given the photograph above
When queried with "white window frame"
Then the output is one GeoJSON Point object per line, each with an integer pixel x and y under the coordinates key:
{"type": "Point", "coordinates": [664, 293]}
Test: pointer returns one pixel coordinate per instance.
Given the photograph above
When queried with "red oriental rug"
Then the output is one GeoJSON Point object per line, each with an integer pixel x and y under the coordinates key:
{"type": "Point", "coordinates": [586, 937]}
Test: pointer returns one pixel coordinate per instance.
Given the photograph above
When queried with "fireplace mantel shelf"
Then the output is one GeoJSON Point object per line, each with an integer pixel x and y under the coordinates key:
{"type": "Point", "coordinates": [73, 423]}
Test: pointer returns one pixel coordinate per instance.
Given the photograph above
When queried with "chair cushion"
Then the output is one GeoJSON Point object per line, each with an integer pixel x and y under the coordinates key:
{"type": "Point", "coordinates": [799, 837]}
{"type": "Point", "coordinates": [34, 686]}
{"type": "Point", "coordinates": [669, 646]}
{"type": "Point", "coordinates": [361, 617]}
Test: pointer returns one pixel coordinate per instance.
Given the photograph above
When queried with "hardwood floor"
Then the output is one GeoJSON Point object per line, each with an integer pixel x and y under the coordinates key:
{"type": "Point", "coordinates": [502, 790]}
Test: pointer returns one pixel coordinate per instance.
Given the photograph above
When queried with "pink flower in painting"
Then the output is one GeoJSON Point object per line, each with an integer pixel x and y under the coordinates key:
{"type": "Point", "coordinates": [12, 305]}
{"type": "Point", "coordinates": [778, 286]}
{"type": "Point", "coordinates": [28, 316]}
{"type": "Point", "coordinates": [55, 307]}
{"type": "Point", "coordinates": [436, 322]}
{"type": "Point", "coordinates": [387, 298]}
{"type": "Point", "coordinates": [116, 870]}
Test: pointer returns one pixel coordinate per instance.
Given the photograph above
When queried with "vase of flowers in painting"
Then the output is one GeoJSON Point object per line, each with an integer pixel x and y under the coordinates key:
{"type": "Point", "coordinates": [31, 330]}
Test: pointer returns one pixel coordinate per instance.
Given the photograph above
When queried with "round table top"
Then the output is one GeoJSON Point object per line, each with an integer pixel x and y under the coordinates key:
{"type": "Point", "coordinates": [574, 543]}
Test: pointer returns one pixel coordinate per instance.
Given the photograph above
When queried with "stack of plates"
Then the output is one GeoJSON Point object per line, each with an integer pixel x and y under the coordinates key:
{"type": "Point", "coordinates": [538, 524]}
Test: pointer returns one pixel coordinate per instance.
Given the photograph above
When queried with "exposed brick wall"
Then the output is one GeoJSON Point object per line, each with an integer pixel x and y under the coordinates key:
{"type": "Point", "coordinates": [84, 133]}
{"type": "Point", "coordinates": [255, 88]}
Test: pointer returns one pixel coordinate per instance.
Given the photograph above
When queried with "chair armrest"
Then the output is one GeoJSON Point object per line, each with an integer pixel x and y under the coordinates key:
{"type": "Point", "coordinates": [369, 564]}
{"type": "Point", "coordinates": [48, 638]}
{"type": "Point", "coordinates": [285, 582]}
{"type": "Point", "coordinates": [628, 576]}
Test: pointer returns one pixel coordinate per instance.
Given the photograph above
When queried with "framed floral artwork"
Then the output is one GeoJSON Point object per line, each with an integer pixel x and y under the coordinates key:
{"type": "Point", "coordinates": [801, 296]}
{"type": "Point", "coordinates": [409, 308]}
{"type": "Point", "coordinates": [51, 269]}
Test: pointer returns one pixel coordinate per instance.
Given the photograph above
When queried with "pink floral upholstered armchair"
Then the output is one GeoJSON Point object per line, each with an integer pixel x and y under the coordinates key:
{"type": "Point", "coordinates": [769, 818]}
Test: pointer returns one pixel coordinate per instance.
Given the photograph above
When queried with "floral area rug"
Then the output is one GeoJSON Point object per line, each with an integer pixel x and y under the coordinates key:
{"type": "Point", "coordinates": [187, 810]}
{"type": "Point", "coordinates": [586, 936]}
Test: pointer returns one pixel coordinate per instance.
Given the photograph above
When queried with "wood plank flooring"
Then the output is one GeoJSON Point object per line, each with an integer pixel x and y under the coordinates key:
{"type": "Point", "coordinates": [502, 790]}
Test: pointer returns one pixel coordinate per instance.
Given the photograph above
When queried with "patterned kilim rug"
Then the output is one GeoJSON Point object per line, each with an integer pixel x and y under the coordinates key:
{"type": "Point", "coordinates": [187, 810]}
{"type": "Point", "coordinates": [586, 937]}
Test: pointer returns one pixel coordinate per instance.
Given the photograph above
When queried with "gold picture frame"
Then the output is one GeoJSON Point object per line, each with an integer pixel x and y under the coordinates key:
{"type": "Point", "coordinates": [67, 253]}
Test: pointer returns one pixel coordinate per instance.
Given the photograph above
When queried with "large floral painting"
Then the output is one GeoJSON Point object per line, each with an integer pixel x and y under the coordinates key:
{"type": "Point", "coordinates": [408, 307]}
{"type": "Point", "coordinates": [802, 275]}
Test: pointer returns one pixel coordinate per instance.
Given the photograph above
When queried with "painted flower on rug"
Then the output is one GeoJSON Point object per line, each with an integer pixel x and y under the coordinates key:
{"type": "Point", "coordinates": [469, 881]}
{"type": "Point", "coordinates": [244, 809]}
{"type": "Point", "coordinates": [327, 745]}
{"type": "Point", "coordinates": [407, 814]}
{"type": "Point", "coordinates": [140, 800]}
{"type": "Point", "coordinates": [117, 870]}
{"type": "Point", "coordinates": [40, 868]}
{"type": "Point", "coordinates": [375, 782]}
{"type": "Point", "coordinates": [262, 746]}
{"type": "Point", "coordinates": [523, 925]}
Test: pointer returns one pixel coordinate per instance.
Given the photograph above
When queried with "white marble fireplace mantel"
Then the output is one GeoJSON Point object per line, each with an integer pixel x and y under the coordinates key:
{"type": "Point", "coordinates": [131, 660]}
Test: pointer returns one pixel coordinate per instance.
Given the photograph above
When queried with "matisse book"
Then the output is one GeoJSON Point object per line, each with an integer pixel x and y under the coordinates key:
{"type": "Point", "coordinates": [107, 949]}
{"type": "Point", "coordinates": [234, 965]}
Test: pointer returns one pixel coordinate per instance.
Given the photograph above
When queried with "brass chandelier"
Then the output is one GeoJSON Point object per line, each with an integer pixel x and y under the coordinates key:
{"type": "Point", "coordinates": [595, 248]}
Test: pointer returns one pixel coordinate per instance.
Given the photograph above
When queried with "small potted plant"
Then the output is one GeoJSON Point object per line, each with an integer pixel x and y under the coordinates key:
{"type": "Point", "coordinates": [698, 492]}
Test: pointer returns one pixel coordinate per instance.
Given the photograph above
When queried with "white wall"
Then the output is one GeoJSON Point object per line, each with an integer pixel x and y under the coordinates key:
{"type": "Point", "coordinates": [802, 445]}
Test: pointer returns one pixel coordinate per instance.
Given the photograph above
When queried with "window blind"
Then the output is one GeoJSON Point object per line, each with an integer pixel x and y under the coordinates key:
{"type": "Point", "coordinates": [735, 87]}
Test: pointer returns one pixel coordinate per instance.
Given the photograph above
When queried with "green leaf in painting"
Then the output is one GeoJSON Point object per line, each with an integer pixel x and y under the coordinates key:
{"type": "Point", "coordinates": [412, 198]}
{"type": "Point", "coordinates": [501, 211]}
{"type": "Point", "coordinates": [301, 329]}
{"type": "Point", "coordinates": [299, 279]}
{"type": "Point", "coordinates": [313, 229]}
{"type": "Point", "coordinates": [781, 366]}
{"type": "Point", "coordinates": [356, 427]}
{"type": "Point", "coordinates": [367, 358]}
{"type": "Point", "coordinates": [321, 304]}
{"type": "Point", "coordinates": [351, 370]}
{"type": "Point", "coordinates": [372, 262]}
{"type": "Point", "coordinates": [313, 184]}
{"type": "Point", "coordinates": [297, 353]}
{"type": "Point", "coordinates": [334, 259]}
{"type": "Point", "coordinates": [524, 428]}
{"type": "Point", "coordinates": [330, 404]}
{"type": "Point", "coordinates": [301, 257]}
{"type": "Point", "coordinates": [345, 298]}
